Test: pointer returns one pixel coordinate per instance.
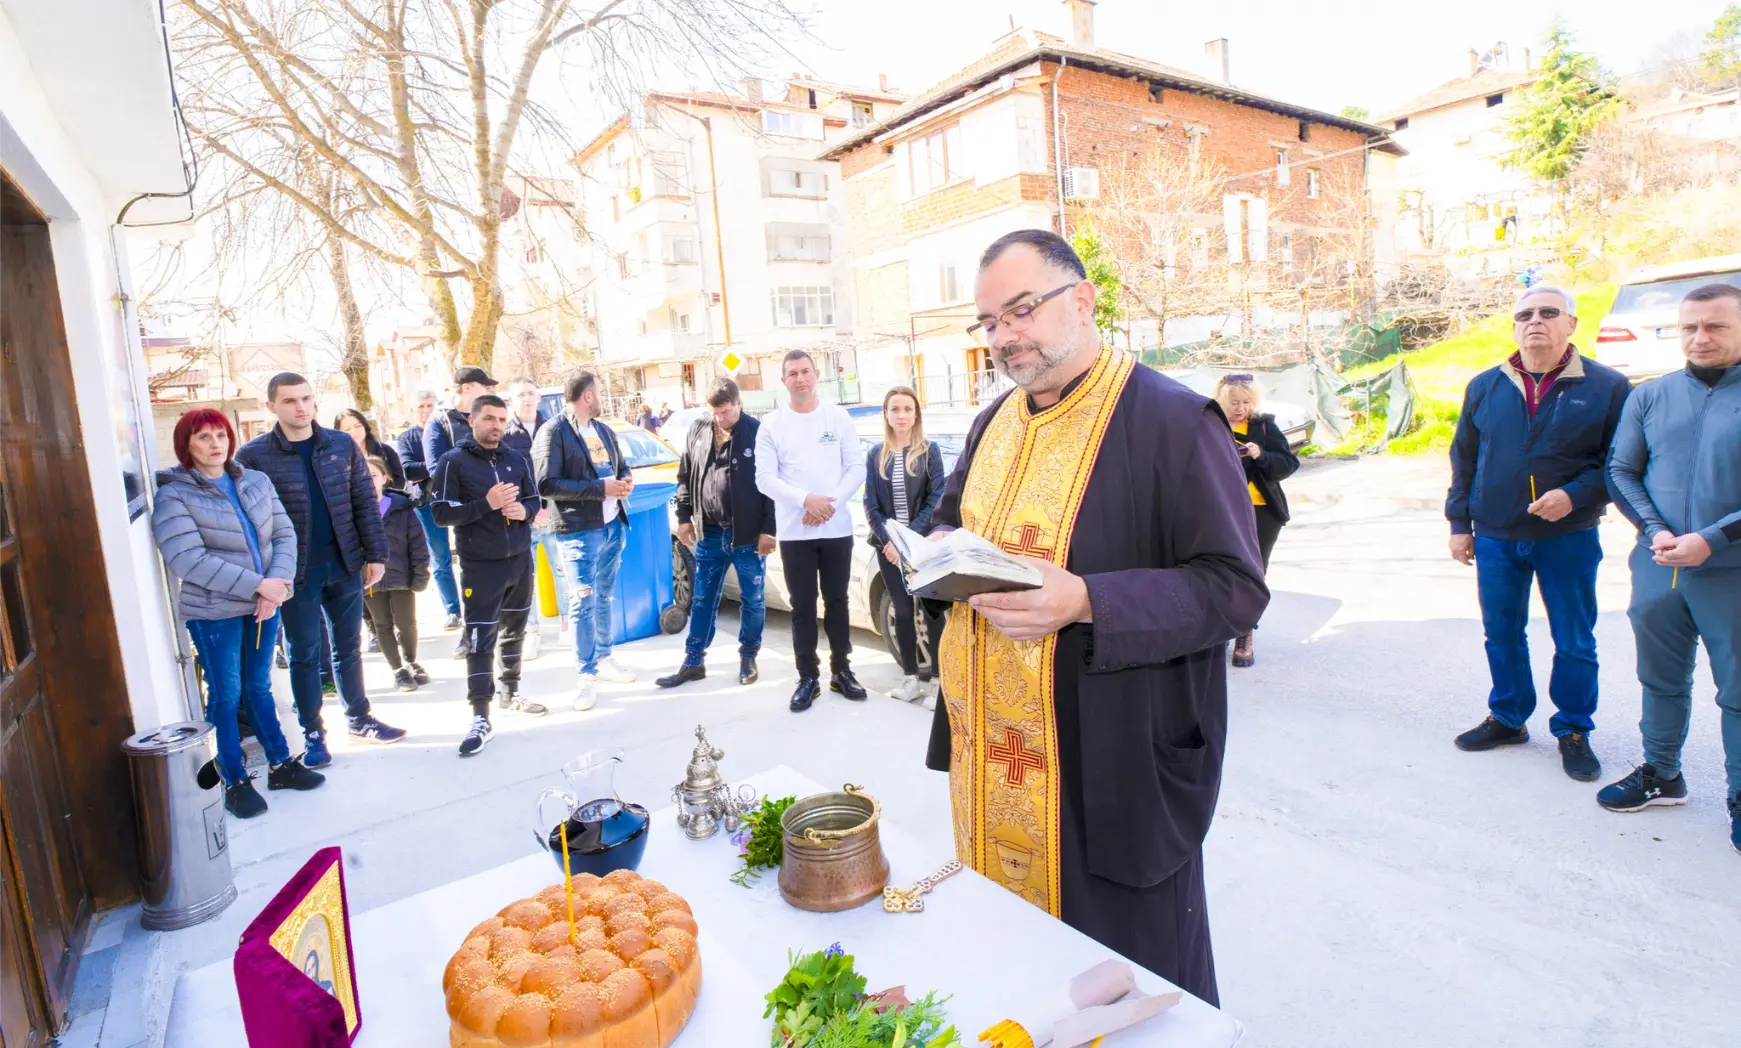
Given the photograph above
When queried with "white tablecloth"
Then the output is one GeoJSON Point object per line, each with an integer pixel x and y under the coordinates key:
{"type": "Point", "coordinates": [986, 947]}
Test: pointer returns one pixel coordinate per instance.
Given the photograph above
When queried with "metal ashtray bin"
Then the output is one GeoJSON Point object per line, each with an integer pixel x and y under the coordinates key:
{"type": "Point", "coordinates": [184, 847]}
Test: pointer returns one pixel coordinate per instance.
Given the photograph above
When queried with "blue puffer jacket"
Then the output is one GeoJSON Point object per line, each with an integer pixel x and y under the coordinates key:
{"type": "Point", "coordinates": [344, 483]}
{"type": "Point", "coordinates": [202, 542]}
{"type": "Point", "coordinates": [1500, 454]}
{"type": "Point", "coordinates": [1677, 462]}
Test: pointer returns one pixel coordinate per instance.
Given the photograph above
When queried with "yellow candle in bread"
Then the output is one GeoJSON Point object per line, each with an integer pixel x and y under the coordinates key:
{"type": "Point", "coordinates": [568, 880]}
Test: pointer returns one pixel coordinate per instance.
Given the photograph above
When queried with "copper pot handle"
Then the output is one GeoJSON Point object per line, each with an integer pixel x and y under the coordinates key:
{"type": "Point", "coordinates": [832, 838]}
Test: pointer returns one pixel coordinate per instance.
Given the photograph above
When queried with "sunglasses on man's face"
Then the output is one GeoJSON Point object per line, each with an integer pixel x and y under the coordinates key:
{"type": "Point", "coordinates": [1238, 380]}
{"type": "Point", "coordinates": [1524, 316]}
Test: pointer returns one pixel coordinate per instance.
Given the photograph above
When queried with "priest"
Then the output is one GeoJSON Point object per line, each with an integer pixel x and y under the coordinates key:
{"type": "Point", "coordinates": [1083, 723]}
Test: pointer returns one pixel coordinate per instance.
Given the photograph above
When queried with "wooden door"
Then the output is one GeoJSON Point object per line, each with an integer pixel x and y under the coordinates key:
{"type": "Point", "coordinates": [46, 900]}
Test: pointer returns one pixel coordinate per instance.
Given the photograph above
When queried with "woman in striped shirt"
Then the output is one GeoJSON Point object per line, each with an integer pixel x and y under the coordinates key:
{"type": "Point", "coordinates": [904, 482]}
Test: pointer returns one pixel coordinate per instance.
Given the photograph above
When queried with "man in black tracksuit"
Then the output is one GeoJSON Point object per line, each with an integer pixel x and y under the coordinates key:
{"type": "Point", "coordinates": [485, 492]}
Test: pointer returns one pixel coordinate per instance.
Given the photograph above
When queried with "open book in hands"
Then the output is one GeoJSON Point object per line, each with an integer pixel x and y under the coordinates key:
{"type": "Point", "coordinates": [958, 565]}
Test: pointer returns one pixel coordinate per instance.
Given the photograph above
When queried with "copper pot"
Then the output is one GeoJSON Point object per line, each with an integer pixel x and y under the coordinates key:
{"type": "Point", "coordinates": [834, 859]}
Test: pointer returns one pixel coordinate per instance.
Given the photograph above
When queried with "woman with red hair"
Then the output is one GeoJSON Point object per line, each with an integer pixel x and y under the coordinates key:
{"type": "Point", "coordinates": [225, 535]}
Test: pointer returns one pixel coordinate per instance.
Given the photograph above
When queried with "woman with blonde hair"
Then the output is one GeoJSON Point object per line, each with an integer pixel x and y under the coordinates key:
{"type": "Point", "coordinates": [903, 482]}
{"type": "Point", "coordinates": [1264, 452]}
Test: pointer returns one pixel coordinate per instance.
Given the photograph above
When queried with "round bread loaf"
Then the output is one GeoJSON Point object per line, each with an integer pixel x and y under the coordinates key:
{"type": "Point", "coordinates": [627, 977]}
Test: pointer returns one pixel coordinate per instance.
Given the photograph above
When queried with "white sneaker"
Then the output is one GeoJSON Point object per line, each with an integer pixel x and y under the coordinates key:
{"type": "Point", "coordinates": [612, 673]}
{"type": "Point", "coordinates": [586, 697]}
{"type": "Point", "coordinates": [531, 647]}
{"type": "Point", "coordinates": [911, 689]}
{"type": "Point", "coordinates": [930, 700]}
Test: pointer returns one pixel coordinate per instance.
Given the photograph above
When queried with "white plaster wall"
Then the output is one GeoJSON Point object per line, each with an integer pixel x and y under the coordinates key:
{"type": "Point", "coordinates": [92, 277]}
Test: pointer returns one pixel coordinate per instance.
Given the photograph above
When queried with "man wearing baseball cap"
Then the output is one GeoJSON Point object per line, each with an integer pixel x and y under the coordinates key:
{"type": "Point", "coordinates": [446, 429]}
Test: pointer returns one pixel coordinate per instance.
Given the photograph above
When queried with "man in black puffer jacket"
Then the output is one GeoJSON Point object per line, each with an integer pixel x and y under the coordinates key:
{"type": "Point", "coordinates": [484, 491]}
{"type": "Point", "coordinates": [340, 551]}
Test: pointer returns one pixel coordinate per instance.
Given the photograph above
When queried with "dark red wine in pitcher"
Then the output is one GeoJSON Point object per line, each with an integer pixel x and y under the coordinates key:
{"type": "Point", "coordinates": [603, 835]}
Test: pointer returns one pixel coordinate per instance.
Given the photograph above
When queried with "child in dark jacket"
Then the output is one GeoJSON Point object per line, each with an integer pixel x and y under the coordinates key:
{"type": "Point", "coordinates": [392, 602]}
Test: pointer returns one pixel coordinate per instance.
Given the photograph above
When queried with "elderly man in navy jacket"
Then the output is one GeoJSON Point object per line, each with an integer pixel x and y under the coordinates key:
{"type": "Point", "coordinates": [1527, 493]}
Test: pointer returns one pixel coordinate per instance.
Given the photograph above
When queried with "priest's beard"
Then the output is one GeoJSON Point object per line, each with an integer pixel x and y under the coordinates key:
{"type": "Point", "coordinates": [1027, 374]}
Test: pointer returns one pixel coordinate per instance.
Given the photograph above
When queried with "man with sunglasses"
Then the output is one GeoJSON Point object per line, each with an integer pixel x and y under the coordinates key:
{"type": "Point", "coordinates": [1083, 722]}
{"type": "Point", "coordinates": [1527, 493]}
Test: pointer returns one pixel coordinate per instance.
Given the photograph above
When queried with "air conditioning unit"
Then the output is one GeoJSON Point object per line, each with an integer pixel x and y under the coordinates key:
{"type": "Point", "coordinates": [1082, 183]}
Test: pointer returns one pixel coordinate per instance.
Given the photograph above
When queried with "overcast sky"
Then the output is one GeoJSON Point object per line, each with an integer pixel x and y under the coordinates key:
{"type": "Point", "coordinates": [1371, 53]}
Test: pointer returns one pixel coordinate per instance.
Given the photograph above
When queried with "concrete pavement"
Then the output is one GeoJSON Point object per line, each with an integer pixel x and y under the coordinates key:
{"type": "Point", "coordinates": [1369, 883]}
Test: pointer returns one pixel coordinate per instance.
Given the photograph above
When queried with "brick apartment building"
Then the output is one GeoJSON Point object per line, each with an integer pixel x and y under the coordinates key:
{"type": "Point", "coordinates": [1032, 134]}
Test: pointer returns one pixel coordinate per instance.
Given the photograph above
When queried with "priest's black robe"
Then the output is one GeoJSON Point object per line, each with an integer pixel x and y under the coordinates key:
{"type": "Point", "coordinates": [1166, 542]}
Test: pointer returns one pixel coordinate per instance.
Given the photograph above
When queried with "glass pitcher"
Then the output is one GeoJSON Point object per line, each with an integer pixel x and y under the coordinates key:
{"type": "Point", "coordinates": [605, 832]}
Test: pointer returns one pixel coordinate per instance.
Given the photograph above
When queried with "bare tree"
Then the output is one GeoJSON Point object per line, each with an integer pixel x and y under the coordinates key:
{"type": "Point", "coordinates": [420, 108]}
{"type": "Point", "coordinates": [1160, 219]}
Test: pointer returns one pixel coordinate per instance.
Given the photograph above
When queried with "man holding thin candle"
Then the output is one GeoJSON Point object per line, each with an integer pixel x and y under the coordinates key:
{"type": "Point", "coordinates": [1527, 493]}
{"type": "Point", "coordinates": [1676, 474]}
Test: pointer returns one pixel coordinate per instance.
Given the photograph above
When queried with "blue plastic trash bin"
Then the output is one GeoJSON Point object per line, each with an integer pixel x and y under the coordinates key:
{"type": "Point", "coordinates": [644, 580]}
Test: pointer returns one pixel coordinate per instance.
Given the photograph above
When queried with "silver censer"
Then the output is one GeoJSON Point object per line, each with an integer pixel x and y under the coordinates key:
{"type": "Point", "coordinates": [704, 801]}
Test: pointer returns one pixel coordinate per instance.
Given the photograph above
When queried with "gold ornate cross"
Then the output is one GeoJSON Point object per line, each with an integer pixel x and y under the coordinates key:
{"type": "Point", "coordinates": [907, 900]}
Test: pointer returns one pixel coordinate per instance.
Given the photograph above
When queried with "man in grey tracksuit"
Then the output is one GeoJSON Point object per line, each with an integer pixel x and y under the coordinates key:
{"type": "Point", "coordinates": [1675, 472]}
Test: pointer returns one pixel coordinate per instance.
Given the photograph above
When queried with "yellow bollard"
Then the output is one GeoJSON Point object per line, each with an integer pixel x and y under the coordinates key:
{"type": "Point", "coordinates": [546, 583]}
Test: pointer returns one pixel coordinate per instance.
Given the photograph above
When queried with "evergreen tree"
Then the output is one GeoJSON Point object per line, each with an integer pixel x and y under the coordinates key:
{"type": "Point", "coordinates": [1555, 114]}
{"type": "Point", "coordinates": [1103, 273]}
{"type": "Point", "coordinates": [1721, 59]}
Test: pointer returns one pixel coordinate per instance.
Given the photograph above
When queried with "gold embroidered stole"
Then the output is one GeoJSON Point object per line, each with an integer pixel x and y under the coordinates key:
{"type": "Point", "coordinates": [1023, 491]}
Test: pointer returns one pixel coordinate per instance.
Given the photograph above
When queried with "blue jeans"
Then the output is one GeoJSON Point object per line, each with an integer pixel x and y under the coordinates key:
{"type": "Point", "coordinates": [326, 587]}
{"type": "Point", "coordinates": [236, 655]}
{"type": "Point", "coordinates": [558, 574]}
{"type": "Point", "coordinates": [1564, 568]}
{"type": "Point", "coordinates": [1669, 617]}
{"type": "Point", "coordinates": [713, 554]}
{"type": "Point", "coordinates": [592, 558]}
{"type": "Point", "coordinates": [440, 559]}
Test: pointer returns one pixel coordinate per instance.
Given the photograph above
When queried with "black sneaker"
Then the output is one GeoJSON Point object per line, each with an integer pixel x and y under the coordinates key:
{"type": "Point", "coordinates": [419, 675]}
{"type": "Point", "coordinates": [809, 689]}
{"type": "Point", "coordinates": [747, 672]}
{"type": "Point", "coordinates": [684, 675]}
{"type": "Point", "coordinates": [1577, 758]}
{"type": "Point", "coordinates": [402, 679]}
{"type": "Point", "coordinates": [1643, 789]}
{"type": "Point", "coordinates": [476, 737]}
{"type": "Point", "coordinates": [1490, 733]}
{"type": "Point", "coordinates": [848, 686]}
{"type": "Point", "coordinates": [281, 660]}
{"type": "Point", "coordinates": [509, 699]}
{"type": "Point", "coordinates": [463, 649]}
{"type": "Point", "coordinates": [242, 800]}
{"type": "Point", "coordinates": [291, 775]}
{"type": "Point", "coordinates": [367, 729]}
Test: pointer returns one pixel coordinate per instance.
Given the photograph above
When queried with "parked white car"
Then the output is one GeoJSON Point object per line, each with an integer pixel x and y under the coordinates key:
{"type": "Point", "coordinates": [1641, 336]}
{"type": "Point", "coordinates": [1297, 423]}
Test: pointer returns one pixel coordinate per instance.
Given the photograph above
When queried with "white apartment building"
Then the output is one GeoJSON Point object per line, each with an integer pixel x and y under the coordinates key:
{"type": "Point", "coordinates": [1456, 201]}
{"type": "Point", "coordinates": [713, 227]}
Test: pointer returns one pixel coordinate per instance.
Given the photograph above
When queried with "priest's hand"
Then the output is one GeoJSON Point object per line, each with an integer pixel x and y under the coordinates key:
{"type": "Point", "coordinates": [1031, 614]}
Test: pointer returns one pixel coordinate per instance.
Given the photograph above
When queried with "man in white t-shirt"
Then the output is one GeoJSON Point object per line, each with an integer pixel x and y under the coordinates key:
{"type": "Point", "coordinates": [808, 462]}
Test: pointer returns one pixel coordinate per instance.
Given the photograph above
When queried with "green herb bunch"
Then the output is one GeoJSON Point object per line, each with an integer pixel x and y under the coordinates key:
{"type": "Point", "coordinates": [760, 840]}
{"type": "Point", "coordinates": [821, 1004]}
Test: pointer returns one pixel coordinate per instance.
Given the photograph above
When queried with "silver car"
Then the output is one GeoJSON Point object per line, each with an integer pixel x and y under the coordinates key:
{"type": "Point", "coordinates": [868, 600]}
